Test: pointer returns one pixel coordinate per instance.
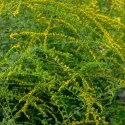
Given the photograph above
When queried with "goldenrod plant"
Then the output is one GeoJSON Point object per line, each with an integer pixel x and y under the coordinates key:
{"type": "Point", "coordinates": [62, 62]}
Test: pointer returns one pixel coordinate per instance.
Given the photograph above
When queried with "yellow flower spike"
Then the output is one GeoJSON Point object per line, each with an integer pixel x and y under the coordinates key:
{"type": "Point", "coordinates": [26, 115]}
{"type": "Point", "coordinates": [1, 7]}
{"type": "Point", "coordinates": [16, 45]}
{"type": "Point", "coordinates": [66, 68]}
{"type": "Point", "coordinates": [18, 8]}
{"type": "Point", "coordinates": [46, 32]}
{"type": "Point", "coordinates": [9, 74]}
{"type": "Point", "coordinates": [30, 6]}
{"type": "Point", "coordinates": [67, 82]}
{"type": "Point", "coordinates": [73, 123]}
{"type": "Point", "coordinates": [118, 19]}
{"type": "Point", "coordinates": [92, 53]}
{"type": "Point", "coordinates": [16, 12]}
{"type": "Point", "coordinates": [95, 6]}
{"type": "Point", "coordinates": [56, 59]}
{"type": "Point", "coordinates": [67, 23]}
{"type": "Point", "coordinates": [12, 35]}
{"type": "Point", "coordinates": [17, 80]}
{"type": "Point", "coordinates": [61, 88]}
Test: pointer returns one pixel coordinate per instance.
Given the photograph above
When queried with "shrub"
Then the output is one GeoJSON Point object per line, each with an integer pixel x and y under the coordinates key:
{"type": "Point", "coordinates": [62, 62]}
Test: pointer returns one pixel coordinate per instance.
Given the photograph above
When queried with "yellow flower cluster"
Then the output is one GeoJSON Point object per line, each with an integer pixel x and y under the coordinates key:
{"type": "Point", "coordinates": [1, 7]}
{"type": "Point", "coordinates": [67, 23]}
{"type": "Point", "coordinates": [92, 53]}
{"type": "Point", "coordinates": [63, 86]}
{"type": "Point", "coordinates": [57, 59]}
{"type": "Point", "coordinates": [12, 35]}
{"type": "Point", "coordinates": [66, 68]}
{"type": "Point", "coordinates": [9, 74]}
{"type": "Point", "coordinates": [95, 6]}
{"type": "Point", "coordinates": [16, 12]}
{"type": "Point", "coordinates": [24, 108]}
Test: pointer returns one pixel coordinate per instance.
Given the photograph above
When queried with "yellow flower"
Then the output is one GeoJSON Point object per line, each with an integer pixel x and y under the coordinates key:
{"type": "Point", "coordinates": [118, 19]}
{"type": "Point", "coordinates": [16, 12]}
{"type": "Point", "coordinates": [9, 74]}
{"type": "Point", "coordinates": [16, 46]}
{"type": "Point", "coordinates": [66, 68]}
{"type": "Point", "coordinates": [1, 7]}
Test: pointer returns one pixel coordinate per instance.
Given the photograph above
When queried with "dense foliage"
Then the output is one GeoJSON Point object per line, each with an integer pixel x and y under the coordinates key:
{"type": "Point", "coordinates": [62, 62]}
